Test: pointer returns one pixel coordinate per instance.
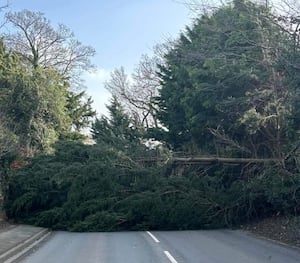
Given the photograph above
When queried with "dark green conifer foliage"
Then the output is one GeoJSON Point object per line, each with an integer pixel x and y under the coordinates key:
{"type": "Point", "coordinates": [95, 188]}
{"type": "Point", "coordinates": [116, 131]}
{"type": "Point", "coordinates": [222, 90]}
{"type": "Point", "coordinates": [80, 110]}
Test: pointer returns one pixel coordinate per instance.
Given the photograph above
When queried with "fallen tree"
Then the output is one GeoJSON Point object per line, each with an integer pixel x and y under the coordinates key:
{"type": "Point", "coordinates": [210, 160]}
{"type": "Point", "coordinates": [84, 188]}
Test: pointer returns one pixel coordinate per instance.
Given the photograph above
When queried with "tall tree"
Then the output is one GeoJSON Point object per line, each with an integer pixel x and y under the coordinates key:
{"type": "Point", "coordinates": [39, 95]}
{"type": "Point", "coordinates": [39, 44]}
{"type": "Point", "coordinates": [222, 86]}
{"type": "Point", "coordinates": [32, 103]}
{"type": "Point", "coordinates": [36, 103]}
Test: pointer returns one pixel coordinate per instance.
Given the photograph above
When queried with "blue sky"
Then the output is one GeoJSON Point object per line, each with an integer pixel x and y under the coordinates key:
{"type": "Point", "coordinates": [120, 31]}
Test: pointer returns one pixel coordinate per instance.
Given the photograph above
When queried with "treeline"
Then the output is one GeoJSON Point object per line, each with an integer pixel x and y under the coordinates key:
{"type": "Point", "coordinates": [39, 98]}
{"type": "Point", "coordinates": [227, 87]}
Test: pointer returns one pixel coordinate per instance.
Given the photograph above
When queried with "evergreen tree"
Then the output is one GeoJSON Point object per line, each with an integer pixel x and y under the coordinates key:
{"type": "Point", "coordinates": [116, 131]}
{"type": "Point", "coordinates": [80, 110]}
{"type": "Point", "coordinates": [222, 91]}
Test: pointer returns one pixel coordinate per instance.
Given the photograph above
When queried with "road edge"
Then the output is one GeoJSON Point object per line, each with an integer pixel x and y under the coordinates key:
{"type": "Point", "coordinates": [275, 241]}
{"type": "Point", "coordinates": [24, 247]}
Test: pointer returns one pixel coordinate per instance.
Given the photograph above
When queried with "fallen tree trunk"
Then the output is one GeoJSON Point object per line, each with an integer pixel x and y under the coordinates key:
{"type": "Point", "coordinates": [195, 160]}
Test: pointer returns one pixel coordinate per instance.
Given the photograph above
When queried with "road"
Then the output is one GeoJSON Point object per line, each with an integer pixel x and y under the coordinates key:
{"type": "Point", "coordinates": [218, 246]}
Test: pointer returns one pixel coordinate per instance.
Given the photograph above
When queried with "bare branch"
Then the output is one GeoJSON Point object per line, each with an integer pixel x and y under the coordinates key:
{"type": "Point", "coordinates": [138, 92]}
{"type": "Point", "coordinates": [43, 46]}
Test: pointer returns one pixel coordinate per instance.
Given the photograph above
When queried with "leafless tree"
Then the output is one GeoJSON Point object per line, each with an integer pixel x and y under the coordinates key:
{"type": "Point", "coordinates": [35, 40]}
{"type": "Point", "coordinates": [137, 92]}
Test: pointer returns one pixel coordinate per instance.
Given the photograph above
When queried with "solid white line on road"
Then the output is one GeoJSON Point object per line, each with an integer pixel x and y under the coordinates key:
{"type": "Point", "coordinates": [153, 237]}
{"type": "Point", "coordinates": [22, 244]}
{"type": "Point", "coordinates": [23, 252]}
{"type": "Point", "coordinates": [170, 257]}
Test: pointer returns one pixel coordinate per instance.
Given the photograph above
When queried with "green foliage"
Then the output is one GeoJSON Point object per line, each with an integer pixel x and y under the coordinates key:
{"type": "Point", "coordinates": [32, 103]}
{"type": "Point", "coordinates": [50, 119]}
{"type": "Point", "coordinates": [80, 110]}
{"type": "Point", "coordinates": [93, 188]}
{"type": "Point", "coordinates": [117, 131]}
{"type": "Point", "coordinates": [37, 107]}
{"type": "Point", "coordinates": [227, 85]}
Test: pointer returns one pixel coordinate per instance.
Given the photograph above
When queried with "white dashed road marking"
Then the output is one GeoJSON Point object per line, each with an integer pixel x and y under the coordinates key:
{"type": "Point", "coordinates": [170, 257]}
{"type": "Point", "coordinates": [152, 236]}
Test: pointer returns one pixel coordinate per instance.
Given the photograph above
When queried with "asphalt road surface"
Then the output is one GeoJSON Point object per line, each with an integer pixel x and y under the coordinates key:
{"type": "Point", "coordinates": [220, 246]}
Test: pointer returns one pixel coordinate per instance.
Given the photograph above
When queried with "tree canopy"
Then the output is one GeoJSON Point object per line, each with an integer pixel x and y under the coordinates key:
{"type": "Point", "coordinates": [39, 44]}
{"type": "Point", "coordinates": [227, 86]}
{"type": "Point", "coordinates": [38, 68]}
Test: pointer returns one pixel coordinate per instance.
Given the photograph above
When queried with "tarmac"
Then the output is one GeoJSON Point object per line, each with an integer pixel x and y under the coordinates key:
{"type": "Point", "coordinates": [16, 241]}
